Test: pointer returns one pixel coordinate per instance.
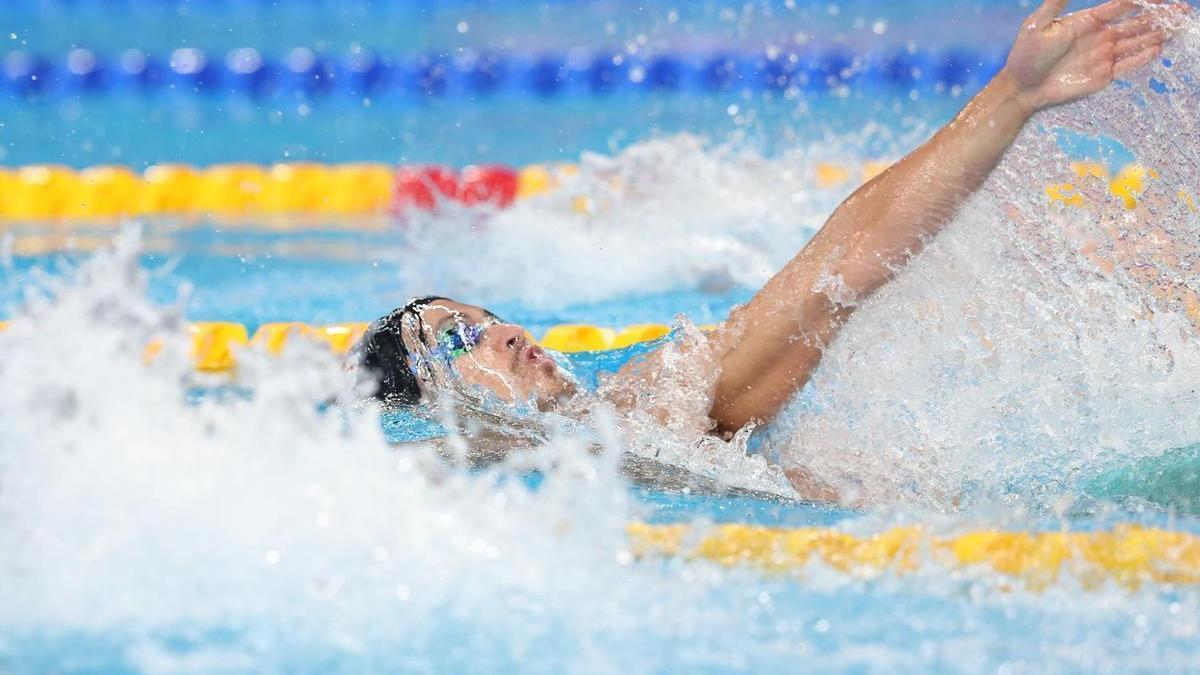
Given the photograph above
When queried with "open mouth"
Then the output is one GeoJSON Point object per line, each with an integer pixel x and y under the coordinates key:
{"type": "Point", "coordinates": [536, 356]}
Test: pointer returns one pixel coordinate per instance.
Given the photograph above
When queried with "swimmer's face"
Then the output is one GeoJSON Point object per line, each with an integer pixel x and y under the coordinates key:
{"type": "Point", "coordinates": [502, 358]}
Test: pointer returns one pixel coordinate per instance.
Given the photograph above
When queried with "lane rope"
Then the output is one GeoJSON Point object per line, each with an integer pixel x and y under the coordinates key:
{"type": "Point", "coordinates": [107, 194]}
{"type": "Point", "coordinates": [1128, 555]}
{"type": "Point", "coordinates": [303, 73]}
{"type": "Point", "coordinates": [215, 344]}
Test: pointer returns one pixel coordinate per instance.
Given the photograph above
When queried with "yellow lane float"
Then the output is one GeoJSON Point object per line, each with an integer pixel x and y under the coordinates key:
{"type": "Point", "coordinates": [872, 169]}
{"type": "Point", "coordinates": [215, 343]}
{"type": "Point", "coordinates": [230, 189]}
{"type": "Point", "coordinates": [273, 337]}
{"type": "Point", "coordinates": [339, 337]}
{"type": "Point", "coordinates": [237, 190]}
{"type": "Point", "coordinates": [643, 332]}
{"type": "Point", "coordinates": [106, 192]}
{"type": "Point", "coordinates": [534, 180]}
{"type": "Point", "coordinates": [1129, 184]}
{"type": "Point", "coordinates": [359, 188]}
{"type": "Point", "coordinates": [39, 192]}
{"type": "Point", "coordinates": [578, 338]}
{"type": "Point", "coordinates": [1064, 193]}
{"type": "Point", "coordinates": [1188, 201]}
{"type": "Point", "coordinates": [1084, 170]}
{"type": "Point", "coordinates": [240, 190]}
{"type": "Point", "coordinates": [1128, 555]}
{"type": "Point", "coordinates": [1127, 187]}
{"type": "Point", "coordinates": [831, 175]}
{"type": "Point", "coordinates": [168, 189]}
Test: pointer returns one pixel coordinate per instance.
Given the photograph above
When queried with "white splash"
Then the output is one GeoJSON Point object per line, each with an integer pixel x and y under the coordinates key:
{"type": "Point", "coordinates": [664, 214]}
{"type": "Point", "coordinates": [125, 507]}
{"type": "Point", "coordinates": [1029, 347]}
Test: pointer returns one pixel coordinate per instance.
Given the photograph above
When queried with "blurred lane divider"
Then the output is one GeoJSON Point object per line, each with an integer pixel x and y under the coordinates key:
{"type": "Point", "coordinates": [215, 344]}
{"type": "Point", "coordinates": [578, 338]}
{"type": "Point", "coordinates": [106, 194]}
{"type": "Point", "coordinates": [1128, 555]}
{"type": "Point", "coordinates": [385, 78]}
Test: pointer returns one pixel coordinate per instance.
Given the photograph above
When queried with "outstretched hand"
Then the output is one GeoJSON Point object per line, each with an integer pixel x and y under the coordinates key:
{"type": "Point", "coordinates": [1057, 60]}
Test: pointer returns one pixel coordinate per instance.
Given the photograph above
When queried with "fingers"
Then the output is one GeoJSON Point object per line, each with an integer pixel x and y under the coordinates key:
{"type": "Point", "coordinates": [1116, 13]}
{"type": "Point", "coordinates": [1131, 28]}
{"type": "Point", "coordinates": [1139, 34]}
{"type": "Point", "coordinates": [1047, 13]}
{"type": "Point", "coordinates": [1111, 10]}
{"type": "Point", "coordinates": [1130, 63]}
{"type": "Point", "coordinates": [1135, 45]}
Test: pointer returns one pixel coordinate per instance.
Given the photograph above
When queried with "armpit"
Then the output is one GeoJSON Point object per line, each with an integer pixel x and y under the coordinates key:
{"type": "Point", "coordinates": [674, 385]}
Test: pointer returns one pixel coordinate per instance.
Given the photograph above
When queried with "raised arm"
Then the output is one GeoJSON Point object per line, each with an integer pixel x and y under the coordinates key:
{"type": "Point", "coordinates": [770, 346]}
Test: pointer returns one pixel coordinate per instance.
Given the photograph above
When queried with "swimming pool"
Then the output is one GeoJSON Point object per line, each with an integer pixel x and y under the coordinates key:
{"type": "Point", "coordinates": [156, 519]}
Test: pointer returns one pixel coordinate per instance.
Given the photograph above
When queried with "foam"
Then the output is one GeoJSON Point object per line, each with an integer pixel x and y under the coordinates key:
{"type": "Point", "coordinates": [1005, 363]}
{"type": "Point", "coordinates": [664, 214]}
{"type": "Point", "coordinates": [256, 532]}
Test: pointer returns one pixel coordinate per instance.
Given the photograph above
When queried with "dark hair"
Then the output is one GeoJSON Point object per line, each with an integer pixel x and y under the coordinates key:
{"type": "Point", "coordinates": [382, 352]}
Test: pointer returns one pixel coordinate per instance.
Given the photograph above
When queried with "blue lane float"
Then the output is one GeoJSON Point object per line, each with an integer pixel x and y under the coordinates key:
{"type": "Point", "coordinates": [304, 73]}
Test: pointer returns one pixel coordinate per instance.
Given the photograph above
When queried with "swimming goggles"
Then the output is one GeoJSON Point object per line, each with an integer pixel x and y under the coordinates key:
{"type": "Point", "coordinates": [456, 340]}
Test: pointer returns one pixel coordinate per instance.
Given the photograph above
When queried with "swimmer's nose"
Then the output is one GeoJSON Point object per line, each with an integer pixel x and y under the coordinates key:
{"type": "Point", "coordinates": [506, 337]}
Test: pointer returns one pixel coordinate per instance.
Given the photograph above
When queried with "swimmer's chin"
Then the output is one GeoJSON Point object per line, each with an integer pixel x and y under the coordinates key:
{"type": "Point", "coordinates": [560, 397]}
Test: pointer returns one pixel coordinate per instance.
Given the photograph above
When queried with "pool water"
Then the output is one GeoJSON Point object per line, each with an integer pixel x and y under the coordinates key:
{"type": "Point", "coordinates": [153, 519]}
{"type": "Point", "coordinates": [322, 549]}
{"type": "Point", "coordinates": [260, 285]}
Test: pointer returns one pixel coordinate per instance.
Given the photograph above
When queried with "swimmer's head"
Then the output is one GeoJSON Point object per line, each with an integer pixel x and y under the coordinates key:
{"type": "Point", "coordinates": [431, 341]}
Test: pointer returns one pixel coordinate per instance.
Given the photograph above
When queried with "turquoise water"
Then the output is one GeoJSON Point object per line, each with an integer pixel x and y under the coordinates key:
{"type": "Point", "coordinates": [516, 131]}
{"type": "Point", "coordinates": [336, 25]}
{"type": "Point", "coordinates": [156, 522]}
{"type": "Point", "coordinates": [262, 284]}
{"type": "Point", "coordinates": [173, 124]}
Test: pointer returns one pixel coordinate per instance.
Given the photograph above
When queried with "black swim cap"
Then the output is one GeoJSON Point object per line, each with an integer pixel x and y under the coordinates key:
{"type": "Point", "coordinates": [382, 353]}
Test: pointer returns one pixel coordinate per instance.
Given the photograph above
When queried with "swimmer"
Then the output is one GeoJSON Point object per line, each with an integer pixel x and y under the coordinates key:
{"type": "Point", "coordinates": [767, 349]}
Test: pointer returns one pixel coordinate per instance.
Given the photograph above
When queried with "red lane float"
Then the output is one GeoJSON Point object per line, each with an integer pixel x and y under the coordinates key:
{"type": "Point", "coordinates": [492, 184]}
{"type": "Point", "coordinates": [425, 187]}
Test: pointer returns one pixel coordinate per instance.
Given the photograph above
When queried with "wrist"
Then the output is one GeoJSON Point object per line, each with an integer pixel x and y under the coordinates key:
{"type": "Point", "coordinates": [1009, 89]}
